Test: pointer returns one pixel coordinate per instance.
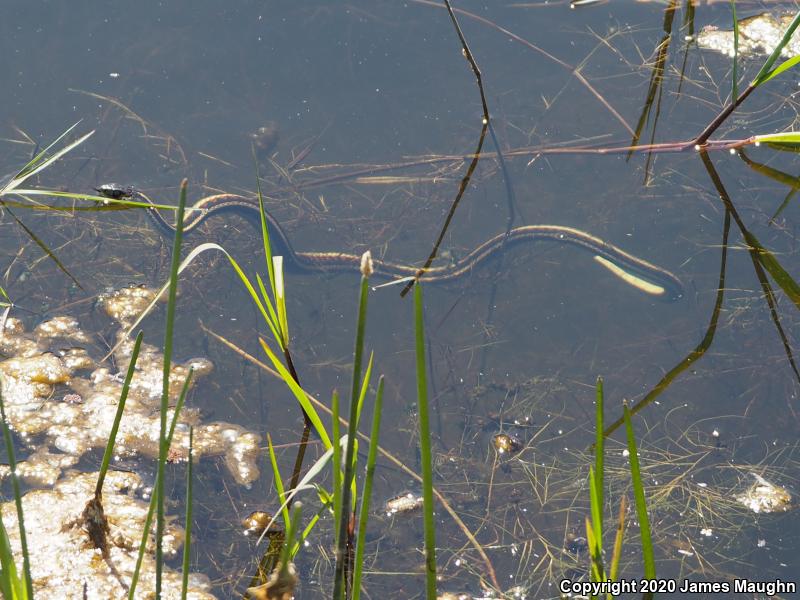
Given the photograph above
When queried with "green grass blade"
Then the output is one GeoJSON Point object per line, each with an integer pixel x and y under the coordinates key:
{"type": "Point", "coordinates": [425, 448]}
{"type": "Point", "coordinates": [616, 555]}
{"type": "Point", "coordinates": [190, 257]}
{"type": "Point", "coordinates": [148, 521]}
{"type": "Point", "coordinates": [279, 487]}
{"type": "Point", "coordinates": [638, 494]}
{"type": "Point", "coordinates": [366, 494]}
{"type": "Point", "coordinates": [349, 458]}
{"type": "Point", "coordinates": [264, 230]}
{"type": "Point", "coordinates": [337, 463]}
{"type": "Point", "coordinates": [291, 532]}
{"type": "Point", "coordinates": [42, 154]}
{"type": "Point", "coordinates": [307, 531]}
{"type": "Point", "coordinates": [596, 524]}
{"type": "Point", "coordinates": [112, 437]}
{"type": "Point", "coordinates": [45, 248]}
{"type": "Point", "coordinates": [783, 67]}
{"type": "Point", "coordinates": [595, 554]}
{"type": "Point", "coordinates": [304, 484]}
{"type": "Point", "coordinates": [23, 538]}
{"type": "Point", "coordinates": [39, 162]}
{"type": "Point", "coordinates": [11, 586]}
{"type": "Point", "coordinates": [765, 72]}
{"type": "Point", "coordinates": [187, 542]}
{"type": "Point", "coordinates": [364, 388]}
{"type": "Point", "coordinates": [168, 342]}
{"type": "Point", "coordinates": [299, 394]}
{"type": "Point", "coordinates": [767, 259]}
{"type": "Point", "coordinates": [273, 317]}
{"type": "Point", "coordinates": [790, 140]}
{"type": "Point", "coordinates": [599, 458]}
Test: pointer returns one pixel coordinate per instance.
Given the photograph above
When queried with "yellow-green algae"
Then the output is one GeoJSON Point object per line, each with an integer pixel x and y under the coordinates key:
{"type": "Point", "coordinates": [64, 399]}
{"type": "Point", "coordinates": [62, 558]}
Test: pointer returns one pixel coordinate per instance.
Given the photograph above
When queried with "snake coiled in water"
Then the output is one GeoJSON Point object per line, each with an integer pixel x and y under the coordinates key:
{"type": "Point", "coordinates": [635, 271]}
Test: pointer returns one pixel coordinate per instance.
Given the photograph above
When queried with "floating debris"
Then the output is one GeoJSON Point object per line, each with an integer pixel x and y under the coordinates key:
{"type": "Point", "coordinates": [256, 523]}
{"type": "Point", "coordinates": [63, 558]}
{"type": "Point", "coordinates": [758, 35]}
{"type": "Point", "coordinates": [576, 544]}
{"type": "Point", "coordinates": [766, 497]}
{"type": "Point", "coordinates": [71, 400]}
{"type": "Point", "coordinates": [506, 443]}
{"type": "Point", "coordinates": [279, 586]}
{"type": "Point", "coordinates": [404, 503]}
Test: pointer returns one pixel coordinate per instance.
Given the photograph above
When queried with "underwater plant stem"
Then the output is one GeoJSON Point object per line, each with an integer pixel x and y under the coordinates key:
{"type": "Point", "coordinates": [720, 118]}
{"type": "Point", "coordinates": [301, 450]}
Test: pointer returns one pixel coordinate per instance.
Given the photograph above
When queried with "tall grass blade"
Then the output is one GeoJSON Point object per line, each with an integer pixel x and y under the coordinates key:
{"type": "Point", "coordinates": [638, 494]}
{"type": "Point", "coordinates": [595, 554]}
{"type": "Point", "coordinates": [148, 521]}
{"type": "Point", "coordinates": [599, 458]}
{"type": "Point", "coordinates": [42, 154]}
{"type": "Point", "coordinates": [616, 554]}
{"type": "Point", "coordinates": [45, 248]}
{"type": "Point", "coordinates": [342, 540]}
{"type": "Point", "coordinates": [364, 387]}
{"type": "Point", "coordinates": [783, 67]}
{"type": "Point", "coordinates": [299, 394]}
{"type": "Point", "coordinates": [366, 493]}
{"type": "Point", "coordinates": [337, 466]}
{"type": "Point", "coordinates": [24, 588]}
{"type": "Point", "coordinates": [291, 533]}
{"type": "Point", "coordinates": [11, 586]}
{"type": "Point", "coordinates": [264, 229]}
{"type": "Point", "coordinates": [279, 487]}
{"type": "Point", "coordinates": [41, 162]}
{"type": "Point", "coordinates": [190, 257]}
{"type": "Point", "coordinates": [595, 524]}
{"type": "Point", "coordinates": [425, 448]}
{"type": "Point", "coordinates": [123, 397]}
{"type": "Point", "coordinates": [168, 342]}
{"type": "Point", "coordinates": [187, 541]}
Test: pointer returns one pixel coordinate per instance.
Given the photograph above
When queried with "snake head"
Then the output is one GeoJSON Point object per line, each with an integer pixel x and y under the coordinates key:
{"type": "Point", "coordinates": [115, 191]}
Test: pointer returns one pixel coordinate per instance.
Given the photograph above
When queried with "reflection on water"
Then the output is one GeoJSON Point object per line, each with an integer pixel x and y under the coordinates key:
{"type": "Point", "coordinates": [364, 118]}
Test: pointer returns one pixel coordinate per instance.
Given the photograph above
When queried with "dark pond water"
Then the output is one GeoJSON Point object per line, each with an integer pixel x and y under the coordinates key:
{"type": "Point", "coordinates": [177, 89]}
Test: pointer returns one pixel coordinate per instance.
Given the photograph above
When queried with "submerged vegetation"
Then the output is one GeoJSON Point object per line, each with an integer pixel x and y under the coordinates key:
{"type": "Point", "coordinates": [110, 533]}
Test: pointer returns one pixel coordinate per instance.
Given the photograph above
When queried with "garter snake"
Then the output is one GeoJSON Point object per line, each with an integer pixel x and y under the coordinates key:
{"type": "Point", "coordinates": [635, 271]}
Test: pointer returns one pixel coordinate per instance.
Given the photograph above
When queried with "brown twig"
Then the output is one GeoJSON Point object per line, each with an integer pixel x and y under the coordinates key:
{"type": "Point", "coordinates": [573, 70]}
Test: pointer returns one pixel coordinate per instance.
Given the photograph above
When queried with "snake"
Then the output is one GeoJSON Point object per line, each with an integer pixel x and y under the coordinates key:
{"type": "Point", "coordinates": [635, 271]}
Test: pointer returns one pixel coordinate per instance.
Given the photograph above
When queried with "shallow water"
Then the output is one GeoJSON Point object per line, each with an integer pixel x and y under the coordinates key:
{"type": "Point", "coordinates": [176, 91]}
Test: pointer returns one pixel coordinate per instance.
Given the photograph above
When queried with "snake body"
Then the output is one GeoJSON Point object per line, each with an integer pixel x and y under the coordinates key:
{"type": "Point", "coordinates": [635, 271]}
